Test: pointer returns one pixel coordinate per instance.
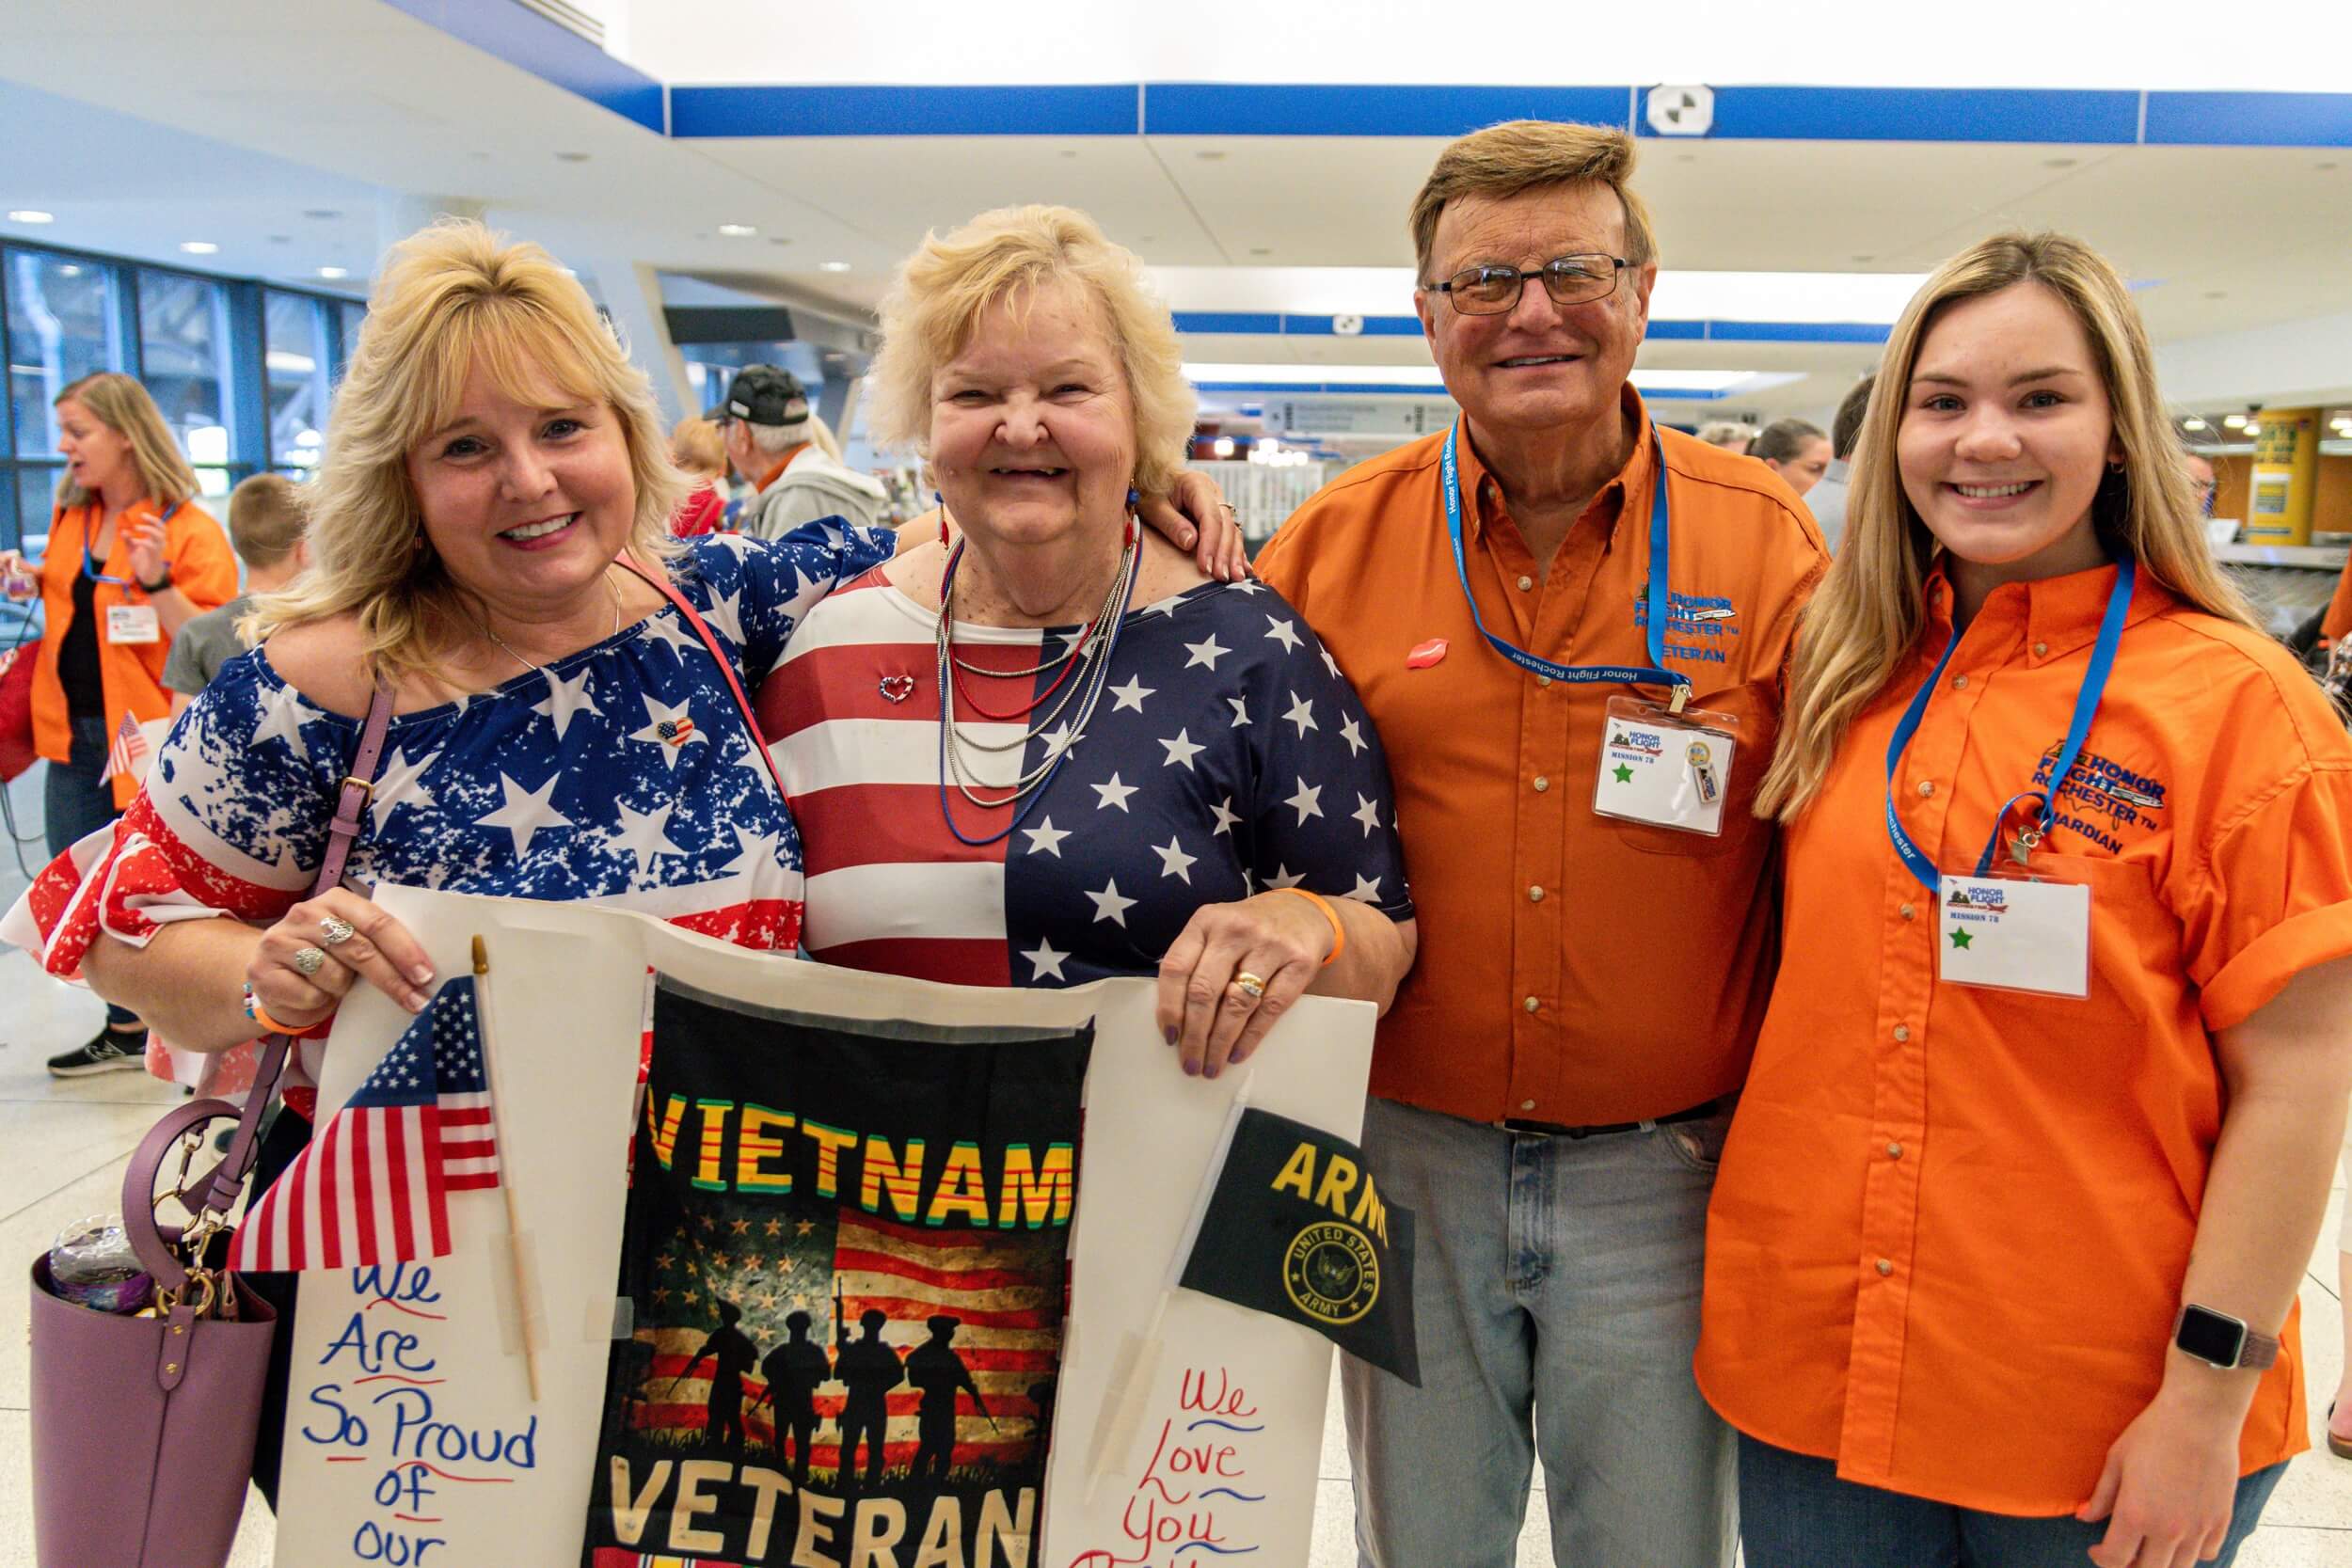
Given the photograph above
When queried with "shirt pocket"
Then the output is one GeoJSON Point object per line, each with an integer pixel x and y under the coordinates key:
{"type": "Point", "coordinates": [2134, 933]}
{"type": "Point", "coordinates": [1756, 707]}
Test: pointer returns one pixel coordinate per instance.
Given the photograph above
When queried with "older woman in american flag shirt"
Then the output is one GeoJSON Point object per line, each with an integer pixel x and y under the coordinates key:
{"type": "Point", "coordinates": [1053, 751]}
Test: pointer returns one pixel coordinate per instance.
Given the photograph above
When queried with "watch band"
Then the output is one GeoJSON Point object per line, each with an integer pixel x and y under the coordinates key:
{"type": "Point", "coordinates": [146, 587]}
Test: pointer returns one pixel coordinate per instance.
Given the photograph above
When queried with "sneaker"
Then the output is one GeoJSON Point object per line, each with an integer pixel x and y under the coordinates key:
{"type": "Point", "coordinates": [109, 1050]}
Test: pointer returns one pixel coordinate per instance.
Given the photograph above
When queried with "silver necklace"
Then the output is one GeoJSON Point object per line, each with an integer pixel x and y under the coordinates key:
{"type": "Point", "coordinates": [534, 669]}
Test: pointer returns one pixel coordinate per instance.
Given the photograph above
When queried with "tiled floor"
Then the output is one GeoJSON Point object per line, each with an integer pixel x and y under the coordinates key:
{"type": "Point", "coordinates": [62, 1148]}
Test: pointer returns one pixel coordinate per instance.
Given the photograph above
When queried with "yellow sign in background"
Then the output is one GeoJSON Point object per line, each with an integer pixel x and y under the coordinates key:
{"type": "Point", "coordinates": [2285, 479]}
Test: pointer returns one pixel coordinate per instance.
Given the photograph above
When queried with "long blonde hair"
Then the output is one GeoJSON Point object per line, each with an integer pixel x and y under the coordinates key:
{"type": "Point", "coordinates": [455, 297]}
{"type": "Point", "coordinates": [1009, 254]}
{"type": "Point", "coordinates": [1868, 614]}
{"type": "Point", "coordinates": [121, 404]}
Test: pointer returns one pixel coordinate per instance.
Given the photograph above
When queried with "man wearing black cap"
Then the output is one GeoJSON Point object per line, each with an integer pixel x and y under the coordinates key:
{"type": "Point", "coordinates": [777, 443]}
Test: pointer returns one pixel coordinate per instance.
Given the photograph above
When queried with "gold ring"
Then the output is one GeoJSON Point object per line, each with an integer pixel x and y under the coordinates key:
{"type": "Point", "coordinates": [1249, 985]}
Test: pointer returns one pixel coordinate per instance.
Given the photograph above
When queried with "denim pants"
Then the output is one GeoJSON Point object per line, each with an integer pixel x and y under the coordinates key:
{"type": "Point", "coordinates": [1556, 1302]}
{"type": "Point", "coordinates": [75, 805]}
{"type": "Point", "coordinates": [1795, 1513]}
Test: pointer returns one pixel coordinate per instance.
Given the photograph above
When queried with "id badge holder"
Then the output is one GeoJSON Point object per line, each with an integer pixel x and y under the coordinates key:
{"type": "Point", "coordinates": [2012, 930]}
{"type": "Point", "coordinates": [1666, 768]}
{"type": "Point", "coordinates": [133, 624]}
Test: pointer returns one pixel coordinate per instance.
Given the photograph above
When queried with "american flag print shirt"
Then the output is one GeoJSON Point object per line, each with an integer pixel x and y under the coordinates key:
{"type": "Point", "coordinates": [1228, 755]}
{"type": "Point", "coordinates": [621, 774]}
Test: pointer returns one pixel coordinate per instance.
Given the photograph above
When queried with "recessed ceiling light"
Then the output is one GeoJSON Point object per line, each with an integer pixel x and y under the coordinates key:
{"type": "Point", "coordinates": [737, 230]}
{"type": "Point", "coordinates": [2193, 422]}
{"type": "Point", "coordinates": [31, 214]}
{"type": "Point", "coordinates": [333, 272]}
{"type": "Point", "coordinates": [2252, 429]}
{"type": "Point", "coordinates": [571, 157]}
{"type": "Point", "coordinates": [199, 247]}
{"type": "Point", "coordinates": [832, 267]}
{"type": "Point", "coordinates": [2233, 422]}
{"type": "Point", "coordinates": [569, 273]}
{"type": "Point", "coordinates": [69, 270]}
{"type": "Point", "coordinates": [324, 215]}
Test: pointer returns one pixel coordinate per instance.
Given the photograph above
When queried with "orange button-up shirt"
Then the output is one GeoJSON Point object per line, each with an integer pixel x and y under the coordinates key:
{"type": "Point", "coordinates": [1573, 968]}
{"type": "Point", "coordinates": [1947, 1240]}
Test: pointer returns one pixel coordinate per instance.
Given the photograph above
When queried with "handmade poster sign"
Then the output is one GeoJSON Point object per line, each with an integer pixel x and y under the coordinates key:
{"type": "Point", "coordinates": [826, 1321]}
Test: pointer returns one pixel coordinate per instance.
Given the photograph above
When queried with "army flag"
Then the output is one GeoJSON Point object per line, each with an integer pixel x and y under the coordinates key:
{"type": "Point", "coordinates": [845, 1250]}
{"type": "Point", "coordinates": [1295, 1226]}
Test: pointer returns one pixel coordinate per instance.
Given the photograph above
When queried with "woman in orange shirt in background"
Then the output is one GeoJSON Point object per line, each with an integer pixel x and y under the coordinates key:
{"type": "Point", "coordinates": [131, 560]}
{"type": "Point", "coordinates": [2002, 1257]}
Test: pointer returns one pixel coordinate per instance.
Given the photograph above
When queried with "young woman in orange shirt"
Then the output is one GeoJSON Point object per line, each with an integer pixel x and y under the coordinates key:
{"type": "Point", "coordinates": [2003, 1256]}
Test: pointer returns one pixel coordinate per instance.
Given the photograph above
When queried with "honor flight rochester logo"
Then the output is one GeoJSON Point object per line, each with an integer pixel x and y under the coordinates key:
{"type": "Point", "coordinates": [2101, 797]}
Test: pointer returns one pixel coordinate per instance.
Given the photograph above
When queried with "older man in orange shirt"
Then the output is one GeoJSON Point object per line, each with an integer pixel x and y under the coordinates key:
{"type": "Point", "coordinates": [1579, 698]}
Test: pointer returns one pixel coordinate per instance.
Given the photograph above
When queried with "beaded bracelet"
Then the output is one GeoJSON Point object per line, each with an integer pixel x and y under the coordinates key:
{"type": "Point", "coordinates": [1338, 932]}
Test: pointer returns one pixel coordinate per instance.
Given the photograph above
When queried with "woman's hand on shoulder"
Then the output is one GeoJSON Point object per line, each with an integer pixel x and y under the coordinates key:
{"type": "Point", "coordinates": [1194, 516]}
{"type": "Point", "coordinates": [322, 659]}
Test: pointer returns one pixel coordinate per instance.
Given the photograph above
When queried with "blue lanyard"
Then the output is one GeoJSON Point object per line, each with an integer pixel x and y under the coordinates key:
{"type": "Point", "coordinates": [1655, 674]}
{"type": "Point", "coordinates": [89, 566]}
{"type": "Point", "coordinates": [2078, 730]}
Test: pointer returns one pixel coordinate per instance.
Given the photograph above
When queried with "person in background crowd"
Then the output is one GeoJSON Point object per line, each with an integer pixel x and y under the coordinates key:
{"type": "Point", "coordinates": [265, 526]}
{"type": "Point", "coordinates": [1827, 499]}
{"type": "Point", "coordinates": [1224, 818]}
{"type": "Point", "coordinates": [1553, 1085]}
{"type": "Point", "coordinates": [132, 560]}
{"type": "Point", "coordinates": [701, 453]}
{"type": "Point", "coordinates": [2003, 1256]}
{"type": "Point", "coordinates": [778, 444]}
{"type": "Point", "coordinates": [1796, 451]}
{"type": "Point", "coordinates": [2203, 482]}
{"type": "Point", "coordinates": [1730, 435]}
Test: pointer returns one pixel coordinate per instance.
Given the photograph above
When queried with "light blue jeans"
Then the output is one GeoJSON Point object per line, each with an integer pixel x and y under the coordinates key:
{"type": "Point", "coordinates": [1556, 1301]}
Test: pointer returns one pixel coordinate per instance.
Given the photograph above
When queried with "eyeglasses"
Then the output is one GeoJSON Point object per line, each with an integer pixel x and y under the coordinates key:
{"type": "Point", "coordinates": [1491, 291]}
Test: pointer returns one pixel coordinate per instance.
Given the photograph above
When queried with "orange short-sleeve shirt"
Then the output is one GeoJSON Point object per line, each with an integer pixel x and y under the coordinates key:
{"type": "Point", "coordinates": [1573, 968]}
{"type": "Point", "coordinates": [1947, 1240]}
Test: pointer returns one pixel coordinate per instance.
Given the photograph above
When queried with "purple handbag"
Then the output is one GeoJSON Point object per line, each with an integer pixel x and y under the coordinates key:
{"type": "Point", "coordinates": [143, 1428]}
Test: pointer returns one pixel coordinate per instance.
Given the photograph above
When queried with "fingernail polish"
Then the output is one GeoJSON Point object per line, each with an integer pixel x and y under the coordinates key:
{"type": "Point", "coordinates": [1210, 1072]}
{"type": "Point", "coordinates": [1170, 1034]}
{"type": "Point", "coordinates": [422, 974]}
{"type": "Point", "coordinates": [1192, 1069]}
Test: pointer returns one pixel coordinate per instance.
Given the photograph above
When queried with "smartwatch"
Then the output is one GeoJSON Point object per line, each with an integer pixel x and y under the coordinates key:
{"type": "Point", "coordinates": [2221, 1341]}
{"type": "Point", "coordinates": [158, 587]}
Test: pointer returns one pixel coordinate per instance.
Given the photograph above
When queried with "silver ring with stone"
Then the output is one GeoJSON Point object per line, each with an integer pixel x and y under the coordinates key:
{"type": "Point", "coordinates": [307, 961]}
{"type": "Point", "coordinates": [334, 930]}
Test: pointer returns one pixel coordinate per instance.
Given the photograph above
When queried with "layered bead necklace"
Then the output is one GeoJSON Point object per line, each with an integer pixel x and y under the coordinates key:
{"type": "Point", "coordinates": [1079, 675]}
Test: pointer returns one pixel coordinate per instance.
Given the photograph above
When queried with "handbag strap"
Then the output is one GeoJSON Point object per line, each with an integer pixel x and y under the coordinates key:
{"type": "Point", "coordinates": [220, 1186]}
{"type": "Point", "coordinates": [668, 589]}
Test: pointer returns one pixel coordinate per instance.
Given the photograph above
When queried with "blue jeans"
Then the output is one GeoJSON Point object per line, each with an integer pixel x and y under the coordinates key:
{"type": "Point", "coordinates": [1795, 1513]}
{"type": "Point", "coordinates": [75, 805]}
{"type": "Point", "coordinates": [1556, 1302]}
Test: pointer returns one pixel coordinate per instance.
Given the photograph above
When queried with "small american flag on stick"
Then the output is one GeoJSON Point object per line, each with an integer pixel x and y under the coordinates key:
{"type": "Point", "coordinates": [373, 1185]}
{"type": "Point", "coordinates": [129, 753]}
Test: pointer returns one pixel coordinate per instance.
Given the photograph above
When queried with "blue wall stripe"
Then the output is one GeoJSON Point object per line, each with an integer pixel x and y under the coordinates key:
{"type": "Point", "coordinates": [1308, 109]}
{"type": "Point", "coordinates": [903, 111]}
{"type": "Point", "coordinates": [1795, 332]}
{"type": "Point", "coordinates": [1267, 325]}
{"type": "Point", "coordinates": [2251, 118]}
{"type": "Point", "coordinates": [1379, 389]}
{"type": "Point", "coordinates": [524, 39]}
{"type": "Point", "coordinates": [1922, 114]}
{"type": "Point", "coordinates": [1676, 332]}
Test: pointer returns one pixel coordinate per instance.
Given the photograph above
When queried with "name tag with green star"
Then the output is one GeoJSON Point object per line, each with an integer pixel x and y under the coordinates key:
{"type": "Point", "coordinates": [1666, 768]}
{"type": "Point", "coordinates": [2014, 933]}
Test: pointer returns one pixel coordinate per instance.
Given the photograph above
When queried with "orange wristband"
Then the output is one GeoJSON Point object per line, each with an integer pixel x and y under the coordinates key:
{"type": "Point", "coordinates": [1338, 932]}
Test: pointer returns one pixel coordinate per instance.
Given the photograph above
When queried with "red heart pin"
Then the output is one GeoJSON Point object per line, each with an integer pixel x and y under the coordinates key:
{"type": "Point", "coordinates": [1426, 653]}
{"type": "Point", "coordinates": [897, 689]}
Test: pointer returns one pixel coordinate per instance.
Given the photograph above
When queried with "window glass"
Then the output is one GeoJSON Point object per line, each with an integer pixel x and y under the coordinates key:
{"type": "Point", "coordinates": [36, 498]}
{"type": "Point", "coordinates": [62, 325]}
{"type": "Point", "coordinates": [298, 377]}
{"type": "Point", "coordinates": [183, 351]}
{"type": "Point", "coordinates": [353, 316]}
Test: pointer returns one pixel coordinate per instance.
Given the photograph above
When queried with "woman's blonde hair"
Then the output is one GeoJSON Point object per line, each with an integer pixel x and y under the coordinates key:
{"type": "Point", "coordinates": [121, 404]}
{"type": "Point", "coordinates": [1868, 614]}
{"type": "Point", "coordinates": [1010, 255]}
{"type": "Point", "coordinates": [454, 297]}
{"type": "Point", "coordinates": [696, 446]}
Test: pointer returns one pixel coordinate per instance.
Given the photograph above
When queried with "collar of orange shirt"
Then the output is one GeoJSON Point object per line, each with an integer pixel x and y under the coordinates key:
{"type": "Point", "coordinates": [2052, 618]}
{"type": "Point", "coordinates": [1605, 508]}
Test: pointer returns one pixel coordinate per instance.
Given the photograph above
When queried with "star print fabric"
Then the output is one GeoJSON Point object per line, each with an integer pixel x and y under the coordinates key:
{"type": "Point", "coordinates": [622, 774]}
{"type": "Point", "coordinates": [1228, 755]}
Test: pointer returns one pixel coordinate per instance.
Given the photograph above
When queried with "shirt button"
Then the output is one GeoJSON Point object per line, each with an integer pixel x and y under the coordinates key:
{"type": "Point", "coordinates": [1527, 1104]}
{"type": "Point", "coordinates": [1909, 911]}
{"type": "Point", "coordinates": [2039, 649]}
{"type": "Point", "coordinates": [1926, 787]}
{"type": "Point", "coordinates": [1960, 682]}
{"type": "Point", "coordinates": [1531, 1004]}
{"type": "Point", "coordinates": [1894, 1151]}
{"type": "Point", "coordinates": [1535, 895]}
{"type": "Point", "coordinates": [1542, 783]}
{"type": "Point", "coordinates": [1543, 680]}
{"type": "Point", "coordinates": [1903, 1033]}
{"type": "Point", "coordinates": [1526, 583]}
{"type": "Point", "coordinates": [1886, 1265]}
